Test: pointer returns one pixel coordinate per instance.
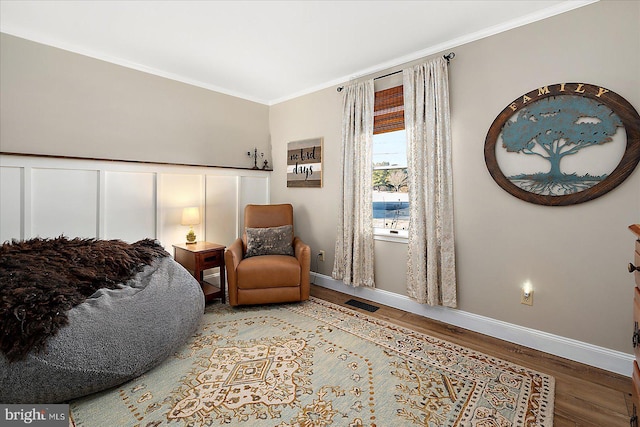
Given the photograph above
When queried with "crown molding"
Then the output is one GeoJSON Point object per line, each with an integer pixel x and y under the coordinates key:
{"type": "Point", "coordinates": [439, 48]}
{"type": "Point", "coordinates": [37, 38]}
{"type": "Point", "coordinates": [443, 47]}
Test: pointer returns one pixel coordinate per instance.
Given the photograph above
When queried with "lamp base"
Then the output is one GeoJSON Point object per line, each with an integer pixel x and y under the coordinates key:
{"type": "Point", "coordinates": [191, 237]}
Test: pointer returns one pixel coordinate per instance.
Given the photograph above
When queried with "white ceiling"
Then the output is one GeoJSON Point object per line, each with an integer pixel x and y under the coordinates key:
{"type": "Point", "coordinates": [266, 51]}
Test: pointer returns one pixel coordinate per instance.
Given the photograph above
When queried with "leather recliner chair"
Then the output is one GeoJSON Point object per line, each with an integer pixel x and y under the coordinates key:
{"type": "Point", "coordinates": [268, 278]}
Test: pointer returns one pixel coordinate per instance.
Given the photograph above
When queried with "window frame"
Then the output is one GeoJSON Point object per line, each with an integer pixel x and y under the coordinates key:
{"type": "Point", "coordinates": [389, 117]}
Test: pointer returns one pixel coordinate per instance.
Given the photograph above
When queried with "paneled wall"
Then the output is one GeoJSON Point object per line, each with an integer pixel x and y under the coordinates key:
{"type": "Point", "coordinates": [48, 197]}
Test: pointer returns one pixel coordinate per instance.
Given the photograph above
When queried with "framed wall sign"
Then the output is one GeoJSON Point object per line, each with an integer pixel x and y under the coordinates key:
{"type": "Point", "coordinates": [304, 163]}
{"type": "Point", "coordinates": [563, 144]}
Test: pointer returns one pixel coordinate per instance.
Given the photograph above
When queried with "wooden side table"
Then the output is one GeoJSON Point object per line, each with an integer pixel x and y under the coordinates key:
{"type": "Point", "coordinates": [200, 256]}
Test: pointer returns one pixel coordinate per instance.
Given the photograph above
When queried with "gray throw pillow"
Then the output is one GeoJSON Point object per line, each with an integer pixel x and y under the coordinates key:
{"type": "Point", "coordinates": [269, 241]}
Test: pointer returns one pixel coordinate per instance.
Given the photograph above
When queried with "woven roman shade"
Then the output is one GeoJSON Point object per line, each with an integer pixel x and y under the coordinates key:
{"type": "Point", "coordinates": [388, 110]}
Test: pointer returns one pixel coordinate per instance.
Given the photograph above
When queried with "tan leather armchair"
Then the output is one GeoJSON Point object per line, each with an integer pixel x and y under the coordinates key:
{"type": "Point", "coordinates": [267, 278]}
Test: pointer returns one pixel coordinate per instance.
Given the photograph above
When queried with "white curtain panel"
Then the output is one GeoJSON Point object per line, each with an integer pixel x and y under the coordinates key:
{"type": "Point", "coordinates": [431, 277]}
{"type": "Point", "coordinates": [353, 262]}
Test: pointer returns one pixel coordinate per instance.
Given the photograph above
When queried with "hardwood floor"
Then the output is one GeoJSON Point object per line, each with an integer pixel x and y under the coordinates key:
{"type": "Point", "coordinates": [585, 396]}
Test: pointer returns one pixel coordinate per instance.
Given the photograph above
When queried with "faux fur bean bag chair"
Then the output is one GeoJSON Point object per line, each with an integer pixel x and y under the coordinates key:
{"type": "Point", "coordinates": [116, 334]}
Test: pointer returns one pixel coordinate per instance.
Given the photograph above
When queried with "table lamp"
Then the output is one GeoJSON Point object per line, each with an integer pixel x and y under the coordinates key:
{"type": "Point", "coordinates": [190, 217]}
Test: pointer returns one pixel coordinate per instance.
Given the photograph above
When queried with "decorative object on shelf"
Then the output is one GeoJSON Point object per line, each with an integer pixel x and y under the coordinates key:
{"type": "Point", "coordinates": [304, 163]}
{"type": "Point", "coordinates": [255, 158]}
{"type": "Point", "coordinates": [190, 217]}
{"type": "Point", "coordinates": [563, 144]}
{"type": "Point", "coordinates": [266, 165]}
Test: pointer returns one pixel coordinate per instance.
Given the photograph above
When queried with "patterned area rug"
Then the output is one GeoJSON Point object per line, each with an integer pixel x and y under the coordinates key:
{"type": "Point", "coordinates": [318, 364]}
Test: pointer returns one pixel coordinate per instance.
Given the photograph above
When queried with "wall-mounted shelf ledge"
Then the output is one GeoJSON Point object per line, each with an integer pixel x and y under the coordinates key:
{"type": "Point", "coordinates": [53, 156]}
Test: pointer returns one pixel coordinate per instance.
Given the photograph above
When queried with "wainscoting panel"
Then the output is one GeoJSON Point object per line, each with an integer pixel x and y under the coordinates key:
{"type": "Point", "coordinates": [222, 208]}
{"type": "Point", "coordinates": [48, 196]}
{"type": "Point", "coordinates": [129, 205]}
{"type": "Point", "coordinates": [10, 203]}
{"type": "Point", "coordinates": [64, 201]}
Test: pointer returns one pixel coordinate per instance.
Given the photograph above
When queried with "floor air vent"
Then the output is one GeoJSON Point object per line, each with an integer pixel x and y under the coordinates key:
{"type": "Point", "coordinates": [362, 305]}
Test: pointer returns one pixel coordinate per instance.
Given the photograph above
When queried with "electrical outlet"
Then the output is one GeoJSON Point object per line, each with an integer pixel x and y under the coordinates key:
{"type": "Point", "coordinates": [526, 297]}
{"type": "Point", "coordinates": [321, 255]}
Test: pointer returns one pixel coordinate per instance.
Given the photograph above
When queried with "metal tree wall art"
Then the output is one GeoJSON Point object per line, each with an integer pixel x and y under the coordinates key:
{"type": "Point", "coordinates": [552, 129]}
{"type": "Point", "coordinates": [563, 144]}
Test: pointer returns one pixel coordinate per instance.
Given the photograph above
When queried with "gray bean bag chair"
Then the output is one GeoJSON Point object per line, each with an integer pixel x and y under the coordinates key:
{"type": "Point", "coordinates": [112, 337]}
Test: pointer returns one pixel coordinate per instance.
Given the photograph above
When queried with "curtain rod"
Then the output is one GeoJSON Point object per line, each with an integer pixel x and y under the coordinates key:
{"type": "Point", "coordinates": [448, 57]}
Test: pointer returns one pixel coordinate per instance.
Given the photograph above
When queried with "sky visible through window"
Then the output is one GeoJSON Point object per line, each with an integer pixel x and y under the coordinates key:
{"type": "Point", "coordinates": [390, 147]}
{"type": "Point", "coordinates": [390, 191]}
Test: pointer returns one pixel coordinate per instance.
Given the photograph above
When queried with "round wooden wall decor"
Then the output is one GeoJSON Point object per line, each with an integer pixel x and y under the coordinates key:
{"type": "Point", "coordinates": [563, 144]}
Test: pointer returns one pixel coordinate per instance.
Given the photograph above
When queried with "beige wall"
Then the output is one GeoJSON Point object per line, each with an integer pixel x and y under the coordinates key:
{"type": "Point", "coordinates": [61, 103]}
{"type": "Point", "coordinates": [574, 256]}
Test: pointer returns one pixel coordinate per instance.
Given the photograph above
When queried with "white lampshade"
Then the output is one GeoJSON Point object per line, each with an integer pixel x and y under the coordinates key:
{"type": "Point", "coordinates": [190, 216]}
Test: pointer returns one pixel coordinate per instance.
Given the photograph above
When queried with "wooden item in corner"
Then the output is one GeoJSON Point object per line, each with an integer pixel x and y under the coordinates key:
{"type": "Point", "coordinates": [634, 268]}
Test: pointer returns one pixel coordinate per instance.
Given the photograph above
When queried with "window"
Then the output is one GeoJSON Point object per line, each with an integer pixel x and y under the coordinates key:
{"type": "Point", "coordinates": [390, 190]}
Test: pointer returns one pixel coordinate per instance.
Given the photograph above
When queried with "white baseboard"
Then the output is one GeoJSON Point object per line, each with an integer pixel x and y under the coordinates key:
{"type": "Point", "coordinates": [600, 357]}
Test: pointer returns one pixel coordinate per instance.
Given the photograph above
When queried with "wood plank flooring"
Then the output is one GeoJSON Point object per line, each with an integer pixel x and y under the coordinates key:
{"type": "Point", "coordinates": [585, 396]}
